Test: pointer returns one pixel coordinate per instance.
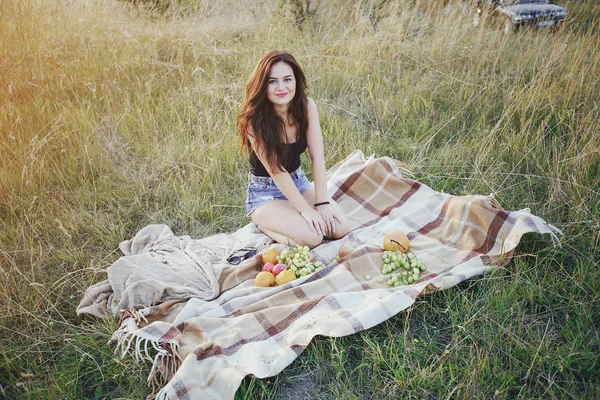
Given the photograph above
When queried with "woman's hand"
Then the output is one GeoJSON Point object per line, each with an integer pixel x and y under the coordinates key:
{"type": "Point", "coordinates": [329, 218]}
{"type": "Point", "coordinates": [315, 221]}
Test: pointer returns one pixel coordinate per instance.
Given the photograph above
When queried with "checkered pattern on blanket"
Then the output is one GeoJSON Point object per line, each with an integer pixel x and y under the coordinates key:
{"type": "Point", "coordinates": [204, 348]}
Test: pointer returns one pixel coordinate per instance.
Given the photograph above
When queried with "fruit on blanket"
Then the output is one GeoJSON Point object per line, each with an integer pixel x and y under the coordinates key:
{"type": "Point", "coordinates": [269, 255]}
{"type": "Point", "coordinates": [278, 268]}
{"type": "Point", "coordinates": [409, 265]}
{"type": "Point", "coordinates": [284, 277]}
{"type": "Point", "coordinates": [268, 267]}
{"type": "Point", "coordinates": [396, 240]}
{"type": "Point", "coordinates": [264, 279]}
{"type": "Point", "coordinates": [300, 261]}
{"type": "Point", "coordinates": [344, 250]}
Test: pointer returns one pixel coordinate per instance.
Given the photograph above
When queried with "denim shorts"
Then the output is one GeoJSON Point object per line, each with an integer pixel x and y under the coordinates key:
{"type": "Point", "coordinates": [262, 189]}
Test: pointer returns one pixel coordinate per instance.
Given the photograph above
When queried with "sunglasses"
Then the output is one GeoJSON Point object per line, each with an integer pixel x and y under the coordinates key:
{"type": "Point", "coordinates": [242, 254]}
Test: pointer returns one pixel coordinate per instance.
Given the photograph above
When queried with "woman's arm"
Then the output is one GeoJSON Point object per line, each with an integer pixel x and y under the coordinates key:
{"type": "Point", "coordinates": [314, 137]}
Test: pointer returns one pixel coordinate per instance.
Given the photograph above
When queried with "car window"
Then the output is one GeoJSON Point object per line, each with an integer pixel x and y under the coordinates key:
{"type": "Point", "coordinates": [510, 2]}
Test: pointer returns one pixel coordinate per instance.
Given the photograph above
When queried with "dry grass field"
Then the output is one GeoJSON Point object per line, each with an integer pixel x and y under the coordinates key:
{"type": "Point", "coordinates": [114, 116]}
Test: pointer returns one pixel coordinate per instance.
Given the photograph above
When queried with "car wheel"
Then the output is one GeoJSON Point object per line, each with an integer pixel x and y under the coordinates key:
{"type": "Point", "coordinates": [508, 27]}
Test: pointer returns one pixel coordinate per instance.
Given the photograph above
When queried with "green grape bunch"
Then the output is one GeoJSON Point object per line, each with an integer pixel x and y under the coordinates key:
{"type": "Point", "coordinates": [298, 261]}
{"type": "Point", "coordinates": [409, 268]}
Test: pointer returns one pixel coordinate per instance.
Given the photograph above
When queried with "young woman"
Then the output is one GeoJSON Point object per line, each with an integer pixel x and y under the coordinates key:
{"type": "Point", "coordinates": [276, 123]}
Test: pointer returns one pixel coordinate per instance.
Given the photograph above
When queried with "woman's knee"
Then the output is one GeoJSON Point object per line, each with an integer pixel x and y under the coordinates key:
{"type": "Point", "coordinates": [341, 230]}
{"type": "Point", "coordinates": [310, 239]}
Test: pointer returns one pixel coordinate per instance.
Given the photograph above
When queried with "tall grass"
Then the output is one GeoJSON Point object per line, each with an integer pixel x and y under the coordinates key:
{"type": "Point", "coordinates": [113, 117]}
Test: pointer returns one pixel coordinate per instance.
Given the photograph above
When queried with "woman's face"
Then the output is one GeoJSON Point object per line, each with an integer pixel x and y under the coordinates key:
{"type": "Point", "coordinates": [282, 84]}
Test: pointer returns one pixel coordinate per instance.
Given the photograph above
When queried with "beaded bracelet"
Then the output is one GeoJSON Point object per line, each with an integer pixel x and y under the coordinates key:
{"type": "Point", "coordinates": [321, 203]}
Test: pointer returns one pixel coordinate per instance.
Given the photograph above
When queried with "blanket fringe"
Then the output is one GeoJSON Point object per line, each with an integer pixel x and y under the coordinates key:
{"type": "Point", "coordinates": [172, 365]}
{"type": "Point", "coordinates": [542, 225]}
{"type": "Point", "coordinates": [164, 367]}
{"type": "Point", "coordinates": [402, 169]}
{"type": "Point", "coordinates": [165, 362]}
{"type": "Point", "coordinates": [553, 231]}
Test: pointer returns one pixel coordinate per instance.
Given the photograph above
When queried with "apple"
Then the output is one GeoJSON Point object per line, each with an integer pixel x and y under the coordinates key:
{"type": "Point", "coordinates": [268, 267]}
{"type": "Point", "coordinates": [344, 250]}
{"type": "Point", "coordinates": [278, 268]}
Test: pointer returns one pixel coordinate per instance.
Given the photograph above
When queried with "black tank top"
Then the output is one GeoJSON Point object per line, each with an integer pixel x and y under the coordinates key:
{"type": "Point", "coordinates": [296, 148]}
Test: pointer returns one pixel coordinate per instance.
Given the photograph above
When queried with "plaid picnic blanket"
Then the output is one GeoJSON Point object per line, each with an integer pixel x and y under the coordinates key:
{"type": "Point", "coordinates": [204, 348]}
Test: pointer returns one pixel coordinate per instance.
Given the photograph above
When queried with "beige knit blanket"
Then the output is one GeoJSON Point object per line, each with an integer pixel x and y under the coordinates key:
{"type": "Point", "coordinates": [217, 327]}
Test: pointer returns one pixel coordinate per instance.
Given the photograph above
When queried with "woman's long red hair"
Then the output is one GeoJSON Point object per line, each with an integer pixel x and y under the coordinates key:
{"type": "Point", "coordinates": [257, 115]}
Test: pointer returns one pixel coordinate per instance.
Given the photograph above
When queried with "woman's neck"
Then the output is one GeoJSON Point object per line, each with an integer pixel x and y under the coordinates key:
{"type": "Point", "coordinates": [282, 111]}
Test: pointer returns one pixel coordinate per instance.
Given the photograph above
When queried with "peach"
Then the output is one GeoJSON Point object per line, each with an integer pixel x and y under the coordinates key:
{"type": "Point", "coordinates": [264, 279]}
{"type": "Point", "coordinates": [277, 269]}
{"type": "Point", "coordinates": [284, 277]}
{"type": "Point", "coordinates": [396, 240]}
{"type": "Point", "coordinates": [268, 267]}
{"type": "Point", "coordinates": [269, 255]}
{"type": "Point", "coordinates": [344, 250]}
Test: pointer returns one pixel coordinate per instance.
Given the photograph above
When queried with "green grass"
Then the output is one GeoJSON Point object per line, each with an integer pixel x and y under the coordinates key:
{"type": "Point", "coordinates": [114, 117]}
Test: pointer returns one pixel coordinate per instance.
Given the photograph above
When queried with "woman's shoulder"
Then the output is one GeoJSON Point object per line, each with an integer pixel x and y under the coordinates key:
{"type": "Point", "coordinates": [311, 106]}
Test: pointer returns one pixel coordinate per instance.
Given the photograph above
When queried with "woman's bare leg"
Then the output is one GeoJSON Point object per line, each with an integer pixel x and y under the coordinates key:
{"type": "Point", "coordinates": [278, 237]}
{"type": "Point", "coordinates": [279, 220]}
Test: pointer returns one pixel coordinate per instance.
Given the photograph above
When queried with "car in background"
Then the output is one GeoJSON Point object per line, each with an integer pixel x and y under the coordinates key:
{"type": "Point", "coordinates": [515, 14]}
